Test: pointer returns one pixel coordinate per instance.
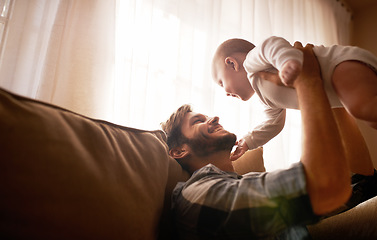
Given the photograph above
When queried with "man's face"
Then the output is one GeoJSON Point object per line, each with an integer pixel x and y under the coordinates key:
{"type": "Point", "coordinates": [206, 135]}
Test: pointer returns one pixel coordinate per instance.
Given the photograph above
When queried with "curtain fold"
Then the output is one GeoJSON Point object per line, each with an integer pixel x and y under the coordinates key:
{"type": "Point", "coordinates": [133, 62]}
{"type": "Point", "coordinates": [85, 63]}
{"type": "Point", "coordinates": [26, 43]}
{"type": "Point", "coordinates": [62, 51]}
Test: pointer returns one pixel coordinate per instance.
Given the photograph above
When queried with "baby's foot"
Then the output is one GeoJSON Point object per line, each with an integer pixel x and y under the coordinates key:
{"type": "Point", "coordinates": [289, 72]}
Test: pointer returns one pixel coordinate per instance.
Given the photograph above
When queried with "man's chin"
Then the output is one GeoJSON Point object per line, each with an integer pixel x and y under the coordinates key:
{"type": "Point", "coordinates": [221, 143]}
{"type": "Point", "coordinates": [225, 142]}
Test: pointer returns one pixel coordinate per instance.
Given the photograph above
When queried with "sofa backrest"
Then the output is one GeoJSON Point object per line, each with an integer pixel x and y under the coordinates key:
{"type": "Point", "coordinates": [66, 176]}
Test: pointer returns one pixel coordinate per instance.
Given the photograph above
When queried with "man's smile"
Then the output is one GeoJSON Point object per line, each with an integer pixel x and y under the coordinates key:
{"type": "Point", "coordinates": [216, 128]}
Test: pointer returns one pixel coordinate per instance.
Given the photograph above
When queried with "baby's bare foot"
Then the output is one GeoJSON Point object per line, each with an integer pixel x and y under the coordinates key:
{"type": "Point", "coordinates": [289, 72]}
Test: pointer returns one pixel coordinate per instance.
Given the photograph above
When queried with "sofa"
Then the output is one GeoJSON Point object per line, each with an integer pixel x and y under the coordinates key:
{"type": "Point", "coordinates": [66, 176]}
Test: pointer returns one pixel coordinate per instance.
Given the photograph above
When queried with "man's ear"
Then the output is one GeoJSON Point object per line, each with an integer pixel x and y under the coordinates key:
{"type": "Point", "coordinates": [232, 63]}
{"type": "Point", "coordinates": [180, 152]}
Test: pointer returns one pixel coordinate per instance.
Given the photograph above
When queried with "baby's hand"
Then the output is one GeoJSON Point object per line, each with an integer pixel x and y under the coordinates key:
{"type": "Point", "coordinates": [289, 72]}
{"type": "Point", "coordinates": [240, 150]}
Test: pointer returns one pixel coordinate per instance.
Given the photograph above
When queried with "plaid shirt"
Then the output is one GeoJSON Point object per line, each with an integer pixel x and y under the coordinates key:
{"type": "Point", "coordinates": [214, 204]}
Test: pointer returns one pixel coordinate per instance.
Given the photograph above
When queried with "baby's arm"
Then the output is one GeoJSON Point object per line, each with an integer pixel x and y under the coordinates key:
{"type": "Point", "coordinates": [275, 119]}
{"type": "Point", "coordinates": [264, 132]}
{"type": "Point", "coordinates": [278, 53]}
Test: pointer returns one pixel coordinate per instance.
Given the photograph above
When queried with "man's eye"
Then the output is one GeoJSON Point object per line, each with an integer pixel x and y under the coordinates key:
{"type": "Point", "coordinates": [198, 121]}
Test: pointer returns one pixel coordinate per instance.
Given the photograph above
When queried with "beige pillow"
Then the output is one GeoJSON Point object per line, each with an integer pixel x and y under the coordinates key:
{"type": "Point", "coordinates": [66, 176]}
{"type": "Point", "coordinates": [251, 161]}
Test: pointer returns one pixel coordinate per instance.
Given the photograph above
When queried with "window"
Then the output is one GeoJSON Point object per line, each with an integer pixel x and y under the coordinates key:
{"type": "Point", "coordinates": [5, 12]}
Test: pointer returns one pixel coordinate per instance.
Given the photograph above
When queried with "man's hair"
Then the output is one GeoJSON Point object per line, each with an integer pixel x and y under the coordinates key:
{"type": "Point", "coordinates": [172, 127]}
{"type": "Point", "coordinates": [228, 48]}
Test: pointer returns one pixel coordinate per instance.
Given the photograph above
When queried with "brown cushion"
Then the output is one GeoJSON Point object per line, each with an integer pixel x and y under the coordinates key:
{"type": "Point", "coordinates": [251, 161]}
{"type": "Point", "coordinates": [66, 176]}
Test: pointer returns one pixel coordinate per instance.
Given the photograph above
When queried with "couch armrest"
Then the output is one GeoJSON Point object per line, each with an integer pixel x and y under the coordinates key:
{"type": "Point", "coordinates": [359, 222]}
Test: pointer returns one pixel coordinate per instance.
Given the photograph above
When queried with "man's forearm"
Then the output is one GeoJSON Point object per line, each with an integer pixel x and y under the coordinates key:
{"type": "Point", "coordinates": [357, 153]}
{"type": "Point", "coordinates": [323, 154]}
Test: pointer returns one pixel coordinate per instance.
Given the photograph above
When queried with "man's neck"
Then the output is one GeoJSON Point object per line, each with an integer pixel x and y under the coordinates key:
{"type": "Point", "coordinates": [219, 159]}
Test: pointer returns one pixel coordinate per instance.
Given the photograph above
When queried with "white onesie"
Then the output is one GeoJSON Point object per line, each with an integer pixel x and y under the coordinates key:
{"type": "Point", "coordinates": [271, 55]}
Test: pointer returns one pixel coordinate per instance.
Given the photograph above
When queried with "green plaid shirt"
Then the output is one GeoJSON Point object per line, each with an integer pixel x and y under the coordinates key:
{"type": "Point", "coordinates": [214, 204]}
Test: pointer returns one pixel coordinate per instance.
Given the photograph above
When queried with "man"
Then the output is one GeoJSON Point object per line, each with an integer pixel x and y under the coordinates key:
{"type": "Point", "coordinates": [216, 203]}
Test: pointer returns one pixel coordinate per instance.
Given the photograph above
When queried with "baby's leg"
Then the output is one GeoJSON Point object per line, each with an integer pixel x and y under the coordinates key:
{"type": "Point", "coordinates": [356, 86]}
{"type": "Point", "coordinates": [290, 71]}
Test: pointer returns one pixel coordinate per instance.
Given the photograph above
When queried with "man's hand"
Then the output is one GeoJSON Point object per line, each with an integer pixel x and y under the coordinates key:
{"type": "Point", "coordinates": [272, 77]}
{"type": "Point", "coordinates": [240, 150]}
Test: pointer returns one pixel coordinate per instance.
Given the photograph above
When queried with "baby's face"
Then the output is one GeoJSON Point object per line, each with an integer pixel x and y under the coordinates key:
{"type": "Point", "coordinates": [235, 83]}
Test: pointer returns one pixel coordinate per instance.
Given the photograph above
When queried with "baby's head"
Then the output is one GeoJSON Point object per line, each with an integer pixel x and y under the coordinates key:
{"type": "Point", "coordinates": [227, 68]}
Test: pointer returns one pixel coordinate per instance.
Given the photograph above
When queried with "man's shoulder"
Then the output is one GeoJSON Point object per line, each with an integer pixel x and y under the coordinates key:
{"type": "Point", "coordinates": [210, 171]}
{"type": "Point", "coordinates": [204, 178]}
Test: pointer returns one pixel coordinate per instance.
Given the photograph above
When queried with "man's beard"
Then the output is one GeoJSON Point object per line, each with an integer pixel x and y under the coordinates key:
{"type": "Point", "coordinates": [203, 147]}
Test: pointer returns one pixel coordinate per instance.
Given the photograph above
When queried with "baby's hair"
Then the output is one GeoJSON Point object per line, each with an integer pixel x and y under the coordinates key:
{"type": "Point", "coordinates": [233, 45]}
{"type": "Point", "coordinates": [228, 48]}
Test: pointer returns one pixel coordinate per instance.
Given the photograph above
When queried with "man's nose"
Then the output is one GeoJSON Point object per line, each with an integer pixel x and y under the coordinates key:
{"type": "Point", "coordinates": [213, 120]}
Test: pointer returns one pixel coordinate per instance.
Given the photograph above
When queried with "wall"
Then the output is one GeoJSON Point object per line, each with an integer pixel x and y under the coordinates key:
{"type": "Point", "coordinates": [364, 29]}
{"type": "Point", "coordinates": [364, 34]}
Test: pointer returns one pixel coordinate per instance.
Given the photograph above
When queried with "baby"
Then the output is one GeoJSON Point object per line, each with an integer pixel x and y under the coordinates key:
{"type": "Point", "coordinates": [349, 75]}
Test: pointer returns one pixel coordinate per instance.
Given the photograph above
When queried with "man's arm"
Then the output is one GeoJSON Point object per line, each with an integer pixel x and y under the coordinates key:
{"type": "Point", "coordinates": [323, 154]}
{"type": "Point", "coordinates": [357, 153]}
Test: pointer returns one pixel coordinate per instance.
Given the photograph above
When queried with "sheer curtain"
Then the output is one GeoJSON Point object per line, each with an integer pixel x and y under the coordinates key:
{"type": "Point", "coordinates": [61, 51]}
{"type": "Point", "coordinates": [133, 62]}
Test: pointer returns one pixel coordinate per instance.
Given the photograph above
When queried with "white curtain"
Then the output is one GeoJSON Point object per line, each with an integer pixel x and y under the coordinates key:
{"type": "Point", "coordinates": [62, 51]}
{"type": "Point", "coordinates": [133, 62]}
